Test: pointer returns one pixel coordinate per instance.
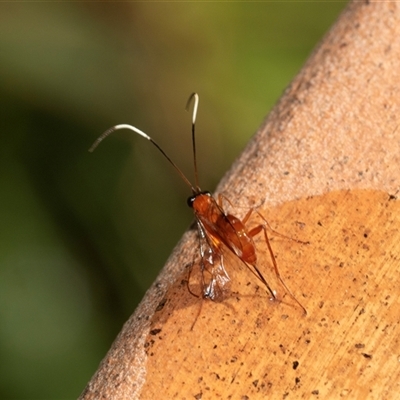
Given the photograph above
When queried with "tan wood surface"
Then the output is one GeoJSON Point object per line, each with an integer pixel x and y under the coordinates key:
{"type": "Point", "coordinates": [323, 168]}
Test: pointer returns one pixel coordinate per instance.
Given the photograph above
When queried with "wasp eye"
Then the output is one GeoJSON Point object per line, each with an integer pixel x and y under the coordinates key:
{"type": "Point", "coordinates": [190, 201]}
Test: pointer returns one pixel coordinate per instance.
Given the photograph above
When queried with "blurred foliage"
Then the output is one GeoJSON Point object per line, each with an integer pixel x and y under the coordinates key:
{"type": "Point", "coordinates": [84, 235]}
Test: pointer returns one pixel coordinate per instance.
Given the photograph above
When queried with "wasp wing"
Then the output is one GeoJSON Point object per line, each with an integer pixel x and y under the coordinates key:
{"type": "Point", "coordinates": [212, 275]}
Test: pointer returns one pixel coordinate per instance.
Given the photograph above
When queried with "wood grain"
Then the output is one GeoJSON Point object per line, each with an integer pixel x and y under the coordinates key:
{"type": "Point", "coordinates": [252, 346]}
{"type": "Point", "coordinates": [324, 167]}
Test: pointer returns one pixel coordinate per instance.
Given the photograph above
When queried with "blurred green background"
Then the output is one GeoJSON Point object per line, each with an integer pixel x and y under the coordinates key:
{"type": "Point", "coordinates": [84, 235]}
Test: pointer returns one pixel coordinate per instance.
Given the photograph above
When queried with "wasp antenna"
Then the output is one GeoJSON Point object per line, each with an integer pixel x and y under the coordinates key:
{"type": "Point", "coordinates": [108, 132]}
{"type": "Point", "coordinates": [194, 96]}
{"type": "Point", "coordinates": [141, 133]}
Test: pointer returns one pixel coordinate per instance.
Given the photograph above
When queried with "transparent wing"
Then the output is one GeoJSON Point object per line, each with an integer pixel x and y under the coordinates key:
{"type": "Point", "coordinates": [209, 268]}
{"type": "Point", "coordinates": [215, 278]}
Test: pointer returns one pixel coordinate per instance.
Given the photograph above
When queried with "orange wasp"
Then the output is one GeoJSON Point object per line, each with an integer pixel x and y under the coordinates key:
{"type": "Point", "coordinates": [217, 230]}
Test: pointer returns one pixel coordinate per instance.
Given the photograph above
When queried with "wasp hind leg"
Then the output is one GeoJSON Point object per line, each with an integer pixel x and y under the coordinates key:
{"type": "Point", "coordinates": [255, 231]}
